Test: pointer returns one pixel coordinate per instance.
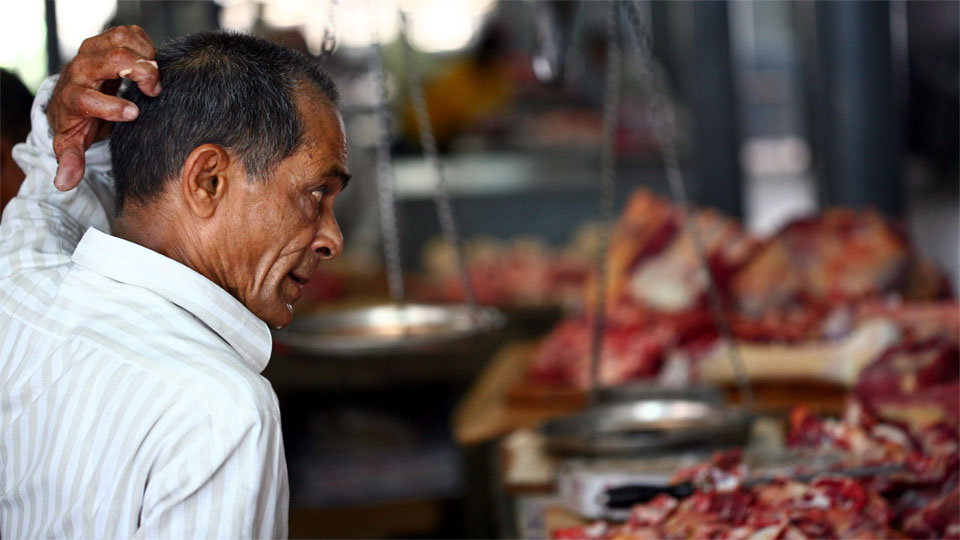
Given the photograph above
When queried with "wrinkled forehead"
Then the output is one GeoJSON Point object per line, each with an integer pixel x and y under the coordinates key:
{"type": "Point", "coordinates": [323, 126]}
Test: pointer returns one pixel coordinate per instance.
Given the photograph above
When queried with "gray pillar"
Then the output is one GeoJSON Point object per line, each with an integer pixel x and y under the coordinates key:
{"type": "Point", "coordinates": [53, 39]}
{"type": "Point", "coordinates": [717, 133]}
{"type": "Point", "coordinates": [858, 143]}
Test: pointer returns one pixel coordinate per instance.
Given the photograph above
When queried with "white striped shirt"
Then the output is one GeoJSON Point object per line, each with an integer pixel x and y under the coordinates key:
{"type": "Point", "coordinates": [131, 400]}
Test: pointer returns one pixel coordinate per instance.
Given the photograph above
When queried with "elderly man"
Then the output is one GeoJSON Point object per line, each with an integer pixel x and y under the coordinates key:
{"type": "Point", "coordinates": [134, 309]}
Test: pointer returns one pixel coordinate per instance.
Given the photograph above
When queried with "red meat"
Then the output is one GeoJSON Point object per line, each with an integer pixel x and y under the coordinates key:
{"type": "Point", "coordinates": [828, 507]}
{"type": "Point", "coordinates": [839, 256]}
{"type": "Point", "coordinates": [635, 345]}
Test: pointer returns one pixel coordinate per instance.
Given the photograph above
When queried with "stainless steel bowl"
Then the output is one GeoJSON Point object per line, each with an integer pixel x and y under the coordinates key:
{"type": "Point", "coordinates": [392, 329]}
{"type": "Point", "coordinates": [647, 426]}
{"type": "Point", "coordinates": [642, 391]}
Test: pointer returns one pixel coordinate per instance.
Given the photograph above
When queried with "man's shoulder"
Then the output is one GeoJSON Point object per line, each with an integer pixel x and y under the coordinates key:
{"type": "Point", "coordinates": [129, 327]}
{"type": "Point", "coordinates": [127, 316]}
{"type": "Point", "coordinates": [121, 325]}
{"type": "Point", "coordinates": [195, 369]}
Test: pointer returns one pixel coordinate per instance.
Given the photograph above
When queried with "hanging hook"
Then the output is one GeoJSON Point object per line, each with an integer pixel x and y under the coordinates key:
{"type": "Point", "coordinates": [329, 41]}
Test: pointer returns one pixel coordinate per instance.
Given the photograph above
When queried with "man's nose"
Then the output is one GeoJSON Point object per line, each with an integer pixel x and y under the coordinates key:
{"type": "Point", "coordinates": [329, 241]}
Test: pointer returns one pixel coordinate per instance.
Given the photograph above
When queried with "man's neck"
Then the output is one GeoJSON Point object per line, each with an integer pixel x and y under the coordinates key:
{"type": "Point", "coordinates": [164, 232]}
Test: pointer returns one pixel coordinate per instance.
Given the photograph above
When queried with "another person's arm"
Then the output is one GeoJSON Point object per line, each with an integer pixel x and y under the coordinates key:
{"type": "Point", "coordinates": [43, 224]}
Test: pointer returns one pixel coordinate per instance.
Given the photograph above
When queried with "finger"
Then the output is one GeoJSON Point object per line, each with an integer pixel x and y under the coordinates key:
{"type": "Point", "coordinates": [91, 69]}
{"type": "Point", "coordinates": [70, 169]}
{"type": "Point", "coordinates": [145, 73]}
{"type": "Point", "coordinates": [132, 37]}
{"type": "Point", "coordinates": [91, 103]}
{"type": "Point", "coordinates": [142, 45]}
{"type": "Point", "coordinates": [139, 69]}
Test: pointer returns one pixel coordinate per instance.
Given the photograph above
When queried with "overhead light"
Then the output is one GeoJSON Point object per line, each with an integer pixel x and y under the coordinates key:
{"type": "Point", "coordinates": [442, 25]}
{"type": "Point", "coordinates": [288, 13]}
{"type": "Point", "coordinates": [435, 25]}
{"type": "Point", "coordinates": [238, 15]}
{"type": "Point", "coordinates": [76, 21]}
{"type": "Point", "coordinates": [23, 43]}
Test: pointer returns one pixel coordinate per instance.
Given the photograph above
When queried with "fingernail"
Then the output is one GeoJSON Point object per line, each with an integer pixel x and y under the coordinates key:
{"type": "Point", "coordinates": [125, 72]}
{"type": "Point", "coordinates": [130, 112]}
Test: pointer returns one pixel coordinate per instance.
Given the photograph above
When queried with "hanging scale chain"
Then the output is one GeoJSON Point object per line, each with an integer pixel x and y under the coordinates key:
{"type": "Point", "coordinates": [329, 41]}
{"type": "Point", "coordinates": [448, 225]}
{"type": "Point", "coordinates": [663, 113]}
{"type": "Point", "coordinates": [608, 174]}
{"type": "Point", "coordinates": [386, 195]}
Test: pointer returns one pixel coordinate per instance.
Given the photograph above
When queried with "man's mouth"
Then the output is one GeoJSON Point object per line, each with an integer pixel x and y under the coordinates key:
{"type": "Point", "coordinates": [301, 281]}
{"type": "Point", "coordinates": [298, 281]}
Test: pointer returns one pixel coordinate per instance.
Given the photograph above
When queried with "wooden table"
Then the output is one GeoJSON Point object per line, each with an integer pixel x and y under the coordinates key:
{"type": "Point", "coordinates": [501, 400]}
{"type": "Point", "coordinates": [488, 413]}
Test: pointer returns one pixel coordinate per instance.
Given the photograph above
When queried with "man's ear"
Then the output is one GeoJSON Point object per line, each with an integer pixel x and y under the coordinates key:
{"type": "Point", "coordinates": [205, 178]}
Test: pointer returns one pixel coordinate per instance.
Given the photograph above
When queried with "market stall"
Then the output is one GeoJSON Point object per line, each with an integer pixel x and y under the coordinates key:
{"type": "Point", "coordinates": [886, 368]}
{"type": "Point", "coordinates": [677, 399]}
{"type": "Point", "coordinates": [665, 373]}
{"type": "Point", "coordinates": [607, 270]}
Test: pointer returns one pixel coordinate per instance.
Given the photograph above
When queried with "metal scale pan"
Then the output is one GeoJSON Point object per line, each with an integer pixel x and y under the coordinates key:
{"type": "Point", "coordinates": [647, 426]}
{"type": "Point", "coordinates": [393, 329]}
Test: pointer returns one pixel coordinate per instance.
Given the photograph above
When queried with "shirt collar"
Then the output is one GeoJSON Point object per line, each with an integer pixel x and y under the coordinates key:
{"type": "Point", "coordinates": [131, 263]}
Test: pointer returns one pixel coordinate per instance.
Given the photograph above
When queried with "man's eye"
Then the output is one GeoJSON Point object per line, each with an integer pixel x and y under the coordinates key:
{"type": "Point", "coordinates": [317, 194]}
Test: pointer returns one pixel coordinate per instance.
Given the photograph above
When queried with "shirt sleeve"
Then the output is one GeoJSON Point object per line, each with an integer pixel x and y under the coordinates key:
{"type": "Point", "coordinates": [41, 226]}
{"type": "Point", "coordinates": [212, 483]}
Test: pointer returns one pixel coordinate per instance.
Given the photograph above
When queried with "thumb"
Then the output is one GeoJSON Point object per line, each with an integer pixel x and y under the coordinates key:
{"type": "Point", "coordinates": [70, 169]}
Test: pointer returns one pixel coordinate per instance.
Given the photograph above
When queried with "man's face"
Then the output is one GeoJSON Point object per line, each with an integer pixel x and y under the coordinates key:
{"type": "Point", "coordinates": [284, 227]}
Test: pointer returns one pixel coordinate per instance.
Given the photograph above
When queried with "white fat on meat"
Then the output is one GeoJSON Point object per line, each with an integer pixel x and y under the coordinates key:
{"type": "Point", "coordinates": [668, 284]}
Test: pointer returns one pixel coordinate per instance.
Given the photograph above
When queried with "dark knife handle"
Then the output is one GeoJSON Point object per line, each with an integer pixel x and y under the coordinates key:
{"type": "Point", "coordinates": [627, 496]}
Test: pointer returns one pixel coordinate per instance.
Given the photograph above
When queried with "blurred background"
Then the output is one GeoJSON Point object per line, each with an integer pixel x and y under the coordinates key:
{"type": "Point", "coordinates": [785, 109]}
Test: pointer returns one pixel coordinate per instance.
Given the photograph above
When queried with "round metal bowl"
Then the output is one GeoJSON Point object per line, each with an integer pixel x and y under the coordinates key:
{"type": "Point", "coordinates": [392, 329]}
{"type": "Point", "coordinates": [640, 391]}
{"type": "Point", "coordinates": [647, 426]}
